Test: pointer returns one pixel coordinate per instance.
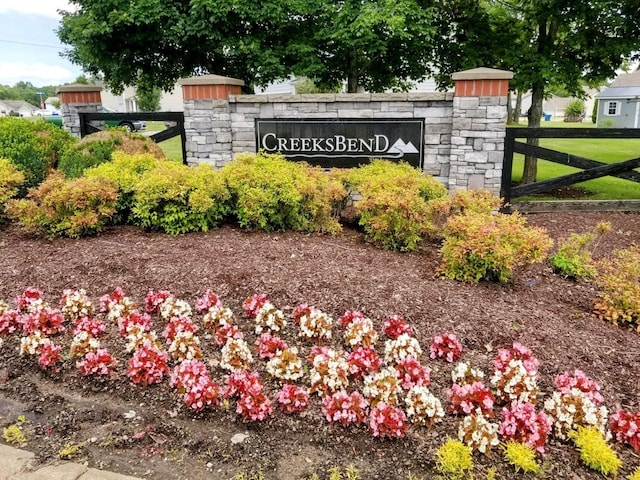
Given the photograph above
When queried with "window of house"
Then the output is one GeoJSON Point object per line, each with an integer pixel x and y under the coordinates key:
{"type": "Point", "coordinates": [612, 109]}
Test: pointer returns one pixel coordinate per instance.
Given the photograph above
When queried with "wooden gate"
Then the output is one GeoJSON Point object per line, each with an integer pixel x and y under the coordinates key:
{"type": "Point", "coordinates": [592, 169]}
{"type": "Point", "coordinates": [94, 122]}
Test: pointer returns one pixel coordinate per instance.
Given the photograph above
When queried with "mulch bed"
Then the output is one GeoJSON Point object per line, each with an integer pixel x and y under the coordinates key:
{"type": "Point", "coordinates": [549, 314]}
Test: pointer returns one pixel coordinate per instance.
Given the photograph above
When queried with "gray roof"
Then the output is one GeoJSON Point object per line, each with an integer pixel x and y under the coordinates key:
{"type": "Point", "coordinates": [620, 92]}
{"type": "Point", "coordinates": [627, 80]}
{"type": "Point", "coordinates": [18, 104]}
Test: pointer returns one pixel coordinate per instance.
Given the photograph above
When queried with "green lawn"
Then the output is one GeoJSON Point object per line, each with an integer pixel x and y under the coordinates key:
{"type": "Point", "coordinates": [604, 150]}
{"type": "Point", "coordinates": [171, 147]}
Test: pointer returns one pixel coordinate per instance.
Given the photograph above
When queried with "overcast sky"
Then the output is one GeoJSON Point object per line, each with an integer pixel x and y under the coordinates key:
{"type": "Point", "coordinates": [29, 48]}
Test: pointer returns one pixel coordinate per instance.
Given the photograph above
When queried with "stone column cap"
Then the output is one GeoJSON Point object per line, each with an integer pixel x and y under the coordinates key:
{"type": "Point", "coordinates": [210, 80]}
{"type": "Point", "coordinates": [78, 87]}
{"type": "Point", "coordinates": [483, 73]}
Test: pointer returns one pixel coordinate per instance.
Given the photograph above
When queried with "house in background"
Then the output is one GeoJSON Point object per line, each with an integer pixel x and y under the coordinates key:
{"type": "Point", "coordinates": [17, 108]}
{"type": "Point", "coordinates": [619, 105]}
{"type": "Point", "coordinates": [127, 101]}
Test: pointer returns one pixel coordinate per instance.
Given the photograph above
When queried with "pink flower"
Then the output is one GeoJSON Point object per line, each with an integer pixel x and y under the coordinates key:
{"type": "Point", "coordinates": [467, 398]}
{"type": "Point", "coordinates": [523, 424]}
{"type": "Point", "coordinates": [148, 365]}
{"type": "Point", "coordinates": [138, 321]}
{"type": "Point", "coordinates": [208, 300]}
{"type": "Point", "coordinates": [48, 321]}
{"type": "Point", "coordinates": [363, 361]}
{"type": "Point", "coordinates": [178, 324]}
{"type": "Point", "coordinates": [625, 425]}
{"type": "Point", "coordinates": [226, 332]}
{"type": "Point", "coordinates": [345, 409]}
{"type": "Point", "coordinates": [446, 346]}
{"type": "Point", "coordinates": [100, 362]}
{"type": "Point", "coordinates": [92, 326]}
{"type": "Point", "coordinates": [412, 373]}
{"type": "Point", "coordinates": [50, 356]}
{"type": "Point", "coordinates": [565, 382]}
{"type": "Point", "coordinates": [252, 304]}
{"type": "Point", "coordinates": [348, 317]}
{"type": "Point", "coordinates": [28, 298]}
{"type": "Point", "coordinates": [387, 421]}
{"type": "Point", "coordinates": [106, 301]}
{"type": "Point", "coordinates": [395, 326]}
{"type": "Point", "coordinates": [292, 398]}
{"type": "Point", "coordinates": [9, 322]}
{"type": "Point", "coordinates": [269, 344]}
{"type": "Point", "coordinates": [517, 352]}
{"type": "Point", "coordinates": [154, 300]}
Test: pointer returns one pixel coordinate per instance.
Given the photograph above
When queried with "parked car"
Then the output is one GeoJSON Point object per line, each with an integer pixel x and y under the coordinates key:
{"type": "Point", "coordinates": [131, 125]}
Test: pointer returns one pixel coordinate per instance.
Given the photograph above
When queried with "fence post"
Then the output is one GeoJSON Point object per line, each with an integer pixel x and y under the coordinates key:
{"type": "Point", "coordinates": [478, 129]}
{"type": "Point", "coordinates": [207, 118]}
{"type": "Point", "coordinates": [74, 99]}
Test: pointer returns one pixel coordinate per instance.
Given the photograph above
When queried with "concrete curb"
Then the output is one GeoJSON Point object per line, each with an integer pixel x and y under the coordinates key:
{"type": "Point", "coordinates": [16, 464]}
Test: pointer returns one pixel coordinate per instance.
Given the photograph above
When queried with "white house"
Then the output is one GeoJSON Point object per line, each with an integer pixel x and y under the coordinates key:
{"type": "Point", "coordinates": [17, 108]}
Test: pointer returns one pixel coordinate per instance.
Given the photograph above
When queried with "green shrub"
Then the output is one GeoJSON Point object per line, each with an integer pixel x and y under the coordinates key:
{"type": "Point", "coordinates": [574, 108]}
{"type": "Point", "coordinates": [453, 460]}
{"type": "Point", "coordinates": [619, 280]}
{"type": "Point", "coordinates": [10, 181]}
{"type": "Point", "coordinates": [635, 475]}
{"type": "Point", "coordinates": [125, 171]}
{"type": "Point", "coordinates": [573, 259]}
{"type": "Point", "coordinates": [594, 451]}
{"type": "Point", "coordinates": [489, 247]}
{"type": "Point", "coordinates": [69, 208]}
{"type": "Point", "coordinates": [393, 211]}
{"type": "Point", "coordinates": [462, 201]}
{"type": "Point", "coordinates": [270, 193]}
{"type": "Point", "coordinates": [34, 147]}
{"type": "Point", "coordinates": [180, 199]}
{"type": "Point", "coordinates": [521, 456]}
{"type": "Point", "coordinates": [97, 148]}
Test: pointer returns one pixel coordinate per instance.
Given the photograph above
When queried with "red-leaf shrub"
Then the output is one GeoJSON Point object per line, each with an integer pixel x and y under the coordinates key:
{"type": "Point", "coordinates": [93, 326]}
{"type": "Point", "coordinates": [209, 299]}
{"type": "Point", "coordinates": [48, 321]}
{"type": "Point", "coordinates": [363, 361]}
{"type": "Point", "coordinates": [154, 300]}
{"type": "Point", "coordinates": [50, 356]}
{"type": "Point", "coordinates": [252, 304]}
{"type": "Point", "coordinates": [100, 362]}
{"type": "Point", "coordinates": [565, 382]}
{"type": "Point", "coordinates": [411, 373]}
{"type": "Point", "coordinates": [446, 346]}
{"type": "Point", "coordinates": [269, 344]}
{"type": "Point", "coordinates": [395, 326]}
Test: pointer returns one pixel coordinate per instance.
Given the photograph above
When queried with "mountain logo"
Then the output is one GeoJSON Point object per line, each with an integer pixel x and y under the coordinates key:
{"type": "Point", "coordinates": [401, 147]}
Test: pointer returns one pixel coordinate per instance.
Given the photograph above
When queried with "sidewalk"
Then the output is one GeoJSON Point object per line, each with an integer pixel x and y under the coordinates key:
{"type": "Point", "coordinates": [16, 464]}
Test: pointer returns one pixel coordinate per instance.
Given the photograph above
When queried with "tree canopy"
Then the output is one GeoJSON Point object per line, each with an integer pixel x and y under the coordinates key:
{"type": "Point", "coordinates": [373, 44]}
{"type": "Point", "coordinates": [548, 44]}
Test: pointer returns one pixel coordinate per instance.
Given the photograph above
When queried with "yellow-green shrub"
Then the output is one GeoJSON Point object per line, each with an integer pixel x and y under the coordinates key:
{"type": "Point", "coordinates": [271, 193]}
{"type": "Point", "coordinates": [70, 208]}
{"type": "Point", "coordinates": [180, 199]}
{"type": "Point", "coordinates": [125, 171]}
{"type": "Point", "coordinates": [489, 247]}
{"type": "Point", "coordinates": [462, 201]}
{"type": "Point", "coordinates": [393, 211]}
{"type": "Point", "coordinates": [97, 148]}
{"type": "Point", "coordinates": [10, 180]}
{"type": "Point", "coordinates": [594, 451]}
{"type": "Point", "coordinates": [453, 459]}
{"type": "Point", "coordinates": [521, 456]}
{"type": "Point", "coordinates": [573, 259]}
{"type": "Point", "coordinates": [619, 279]}
{"type": "Point", "coordinates": [635, 475]}
{"type": "Point", "coordinates": [33, 146]}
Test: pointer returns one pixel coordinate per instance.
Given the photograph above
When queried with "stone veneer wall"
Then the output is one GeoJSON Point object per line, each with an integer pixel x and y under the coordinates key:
{"type": "Point", "coordinates": [463, 138]}
{"type": "Point", "coordinates": [74, 99]}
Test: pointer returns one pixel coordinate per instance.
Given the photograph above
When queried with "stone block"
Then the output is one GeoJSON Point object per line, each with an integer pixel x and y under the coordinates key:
{"type": "Point", "coordinates": [476, 157]}
{"type": "Point", "coordinates": [247, 136]}
{"type": "Point", "coordinates": [497, 112]}
{"type": "Point", "coordinates": [224, 137]}
{"type": "Point", "coordinates": [393, 114]}
{"type": "Point", "coordinates": [357, 113]}
{"type": "Point", "coordinates": [61, 471]}
{"type": "Point", "coordinates": [475, 182]}
{"type": "Point", "coordinates": [396, 107]}
{"type": "Point", "coordinates": [432, 139]}
{"type": "Point", "coordinates": [496, 157]}
{"type": "Point", "coordinates": [266, 110]}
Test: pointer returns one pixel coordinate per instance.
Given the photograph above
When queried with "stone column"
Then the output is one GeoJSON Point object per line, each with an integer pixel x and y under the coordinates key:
{"type": "Point", "coordinates": [77, 98]}
{"type": "Point", "coordinates": [478, 129]}
{"type": "Point", "coordinates": [207, 118]}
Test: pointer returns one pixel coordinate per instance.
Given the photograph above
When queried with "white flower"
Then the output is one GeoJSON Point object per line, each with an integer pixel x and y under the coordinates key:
{"type": "Point", "coordinates": [403, 346]}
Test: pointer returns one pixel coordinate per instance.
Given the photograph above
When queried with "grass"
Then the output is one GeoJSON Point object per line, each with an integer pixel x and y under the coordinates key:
{"type": "Point", "coordinates": [603, 150]}
{"type": "Point", "coordinates": [172, 148]}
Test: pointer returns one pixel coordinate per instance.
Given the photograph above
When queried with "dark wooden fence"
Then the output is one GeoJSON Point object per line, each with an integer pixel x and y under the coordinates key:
{"type": "Point", "coordinates": [175, 120]}
{"type": "Point", "coordinates": [591, 168]}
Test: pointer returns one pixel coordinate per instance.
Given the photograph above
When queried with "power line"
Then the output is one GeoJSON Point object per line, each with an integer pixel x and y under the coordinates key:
{"type": "Point", "coordinates": [31, 44]}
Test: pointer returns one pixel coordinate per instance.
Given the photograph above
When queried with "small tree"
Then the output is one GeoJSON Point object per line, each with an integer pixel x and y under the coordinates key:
{"type": "Point", "coordinates": [148, 99]}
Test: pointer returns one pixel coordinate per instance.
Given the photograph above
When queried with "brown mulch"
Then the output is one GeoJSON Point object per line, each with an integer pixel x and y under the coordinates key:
{"type": "Point", "coordinates": [549, 314]}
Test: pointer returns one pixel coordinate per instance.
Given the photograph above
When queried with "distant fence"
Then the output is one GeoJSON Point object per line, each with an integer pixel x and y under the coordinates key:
{"type": "Point", "coordinates": [592, 169]}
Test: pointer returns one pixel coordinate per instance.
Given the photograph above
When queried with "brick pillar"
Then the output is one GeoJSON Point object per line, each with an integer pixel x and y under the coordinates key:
{"type": "Point", "coordinates": [207, 118]}
{"type": "Point", "coordinates": [77, 98]}
{"type": "Point", "coordinates": [478, 129]}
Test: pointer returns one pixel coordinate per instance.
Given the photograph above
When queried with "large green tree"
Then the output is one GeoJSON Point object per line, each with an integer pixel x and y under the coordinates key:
{"type": "Point", "coordinates": [373, 44]}
{"type": "Point", "coordinates": [546, 43]}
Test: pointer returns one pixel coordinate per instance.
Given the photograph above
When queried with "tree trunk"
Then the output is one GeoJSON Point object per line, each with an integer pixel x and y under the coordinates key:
{"type": "Point", "coordinates": [530, 172]}
{"type": "Point", "coordinates": [518, 108]}
{"type": "Point", "coordinates": [352, 83]}
{"type": "Point", "coordinates": [509, 108]}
